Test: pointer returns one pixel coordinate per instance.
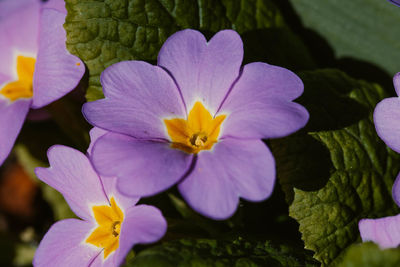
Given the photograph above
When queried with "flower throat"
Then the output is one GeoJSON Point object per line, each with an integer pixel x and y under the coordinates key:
{"type": "Point", "coordinates": [23, 87]}
{"type": "Point", "coordinates": [199, 132]}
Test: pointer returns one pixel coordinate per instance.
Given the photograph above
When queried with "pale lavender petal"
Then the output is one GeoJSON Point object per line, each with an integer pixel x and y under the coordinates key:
{"type": "Point", "coordinates": [12, 117]}
{"type": "Point", "coordinates": [208, 190]}
{"type": "Point", "coordinates": [110, 183]}
{"type": "Point", "coordinates": [250, 165]}
{"type": "Point", "coordinates": [396, 83]}
{"type": "Point", "coordinates": [383, 231]}
{"type": "Point", "coordinates": [143, 168]}
{"type": "Point", "coordinates": [259, 105]}
{"type": "Point", "coordinates": [110, 187]}
{"type": "Point", "coordinates": [387, 122]}
{"type": "Point", "coordinates": [95, 133]}
{"type": "Point", "coordinates": [56, 4]}
{"type": "Point", "coordinates": [17, 36]}
{"type": "Point", "coordinates": [7, 65]}
{"type": "Point", "coordinates": [138, 97]}
{"type": "Point", "coordinates": [396, 190]}
{"type": "Point", "coordinates": [203, 71]}
{"type": "Point", "coordinates": [21, 34]}
{"type": "Point", "coordinates": [57, 72]}
{"type": "Point", "coordinates": [8, 7]}
{"type": "Point", "coordinates": [235, 168]}
{"type": "Point", "coordinates": [72, 174]}
{"type": "Point", "coordinates": [4, 77]}
{"type": "Point", "coordinates": [142, 224]}
{"type": "Point", "coordinates": [63, 245]}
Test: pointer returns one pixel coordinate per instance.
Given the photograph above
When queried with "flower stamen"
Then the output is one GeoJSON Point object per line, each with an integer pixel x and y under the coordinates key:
{"type": "Point", "coordinates": [199, 132]}
{"type": "Point", "coordinates": [106, 234]}
{"type": "Point", "coordinates": [198, 139]}
{"type": "Point", "coordinates": [23, 86]}
{"type": "Point", "coordinates": [116, 227]}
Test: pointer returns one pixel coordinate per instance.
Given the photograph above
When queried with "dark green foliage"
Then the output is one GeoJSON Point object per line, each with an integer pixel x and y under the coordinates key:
{"type": "Point", "coordinates": [339, 168]}
{"type": "Point", "coordinates": [213, 253]}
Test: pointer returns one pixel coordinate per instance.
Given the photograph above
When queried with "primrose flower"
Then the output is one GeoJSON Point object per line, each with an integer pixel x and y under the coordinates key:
{"type": "Point", "coordinates": [195, 119]}
{"type": "Point", "coordinates": [110, 223]}
{"type": "Point", "coordinates": [35, 66]}
{"type": "Point", "coordinates": [386, 231]}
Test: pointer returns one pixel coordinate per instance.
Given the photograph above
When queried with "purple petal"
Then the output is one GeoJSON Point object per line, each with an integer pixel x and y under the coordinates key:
{"type": "Point", "coordinates": [57, 72]}
{"type": "Point", "coordinates": [21, 34]}
{"type": "Point", "coordinates": [142, 224]}
{"type": "Point", "coordinates": [251, 166]}
{"type": "Point", "coordinates": [138, 97]}
{"type": "Point", "coordinates": [203, 71]}
{"type": "Point", "coordinates": [63, 245]}
{"type": "Point", "coordinates": [95, 133]}
{"type": "Point", "coordinates": [143, 168]}
{"type": "Point", "coordinates": [383, 231]}
{"type": "Point", "coordinates": [12, 117]}
{"type": "Point", "coordinates": [396, 190]}
{"type": "Point", "coordinates": [387, 122]}
{"type": "Point", "coordinates": [396, 83]}
{"type": "Point", "coordinates": [123, 201]}
{"type": "Point", "coordinates": [17, 36]}
{"type": "Point", "coordinates": [4, 77]}
{"type": "Point", "coordinates": [110, 183]}
{"type": "Point", "coordinates": [234, 168]}
{"type": "Point", "coordinates": [8, 7]}
{"type": "Point", "coordinates": [72, 174]}
{"type": "Point", "coordinates": [395, 2]}
{"type": "Point", "coordinates": [57, 5]}
{"type": "Point", "coordinates": [259, 105]}
{"type": "Point", "coordinates": [8, 64]}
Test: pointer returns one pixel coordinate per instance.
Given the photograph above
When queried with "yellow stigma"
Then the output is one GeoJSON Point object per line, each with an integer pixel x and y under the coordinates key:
{"type": "Point", "coordinates": [21, 88]}
{"type": "Point", "coordinates": [109, 220]}
{"type": "Point", "coordinates": [199, 132]}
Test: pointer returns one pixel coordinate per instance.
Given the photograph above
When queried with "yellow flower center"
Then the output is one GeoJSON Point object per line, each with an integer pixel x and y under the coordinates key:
{"type": "Point", "coordinates": [199, 132]}
{"type": "Point", "coordinates": [109, 220]}
{"type": "Point", "coordinates": [21, 88]}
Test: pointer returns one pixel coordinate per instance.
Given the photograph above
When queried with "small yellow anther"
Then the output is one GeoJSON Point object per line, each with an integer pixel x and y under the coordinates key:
{"type": "Point", "coordinates": [199, 132]}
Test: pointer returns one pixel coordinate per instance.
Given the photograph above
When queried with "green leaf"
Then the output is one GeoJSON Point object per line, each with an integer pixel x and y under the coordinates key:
{"type": "Point", "coordinates": [104, 32]}
{"type": "Point", "coordinates": [370, 255]}
{"type": "Point", "coordinates": [337, 170]}
{"type": "Point", "coordinates": [213, 253]}
{"type": "Point", "coordinates": [361, 29]}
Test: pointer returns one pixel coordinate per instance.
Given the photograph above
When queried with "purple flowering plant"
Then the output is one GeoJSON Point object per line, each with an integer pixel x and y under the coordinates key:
{"type": "Point", "coordinates": [110, 223]}
{"type": "Point", "coordinates": [226, 133]}
{"type": "Point", "coordinates": [36, 67]}
{"type": "Point", "coordinates": [386, 231]}
{"type": "Point", "coordinates": [195, 119]}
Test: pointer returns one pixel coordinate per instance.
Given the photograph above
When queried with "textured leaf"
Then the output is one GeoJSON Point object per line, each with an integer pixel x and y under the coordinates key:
{"type": "Point", "coordinates": [340, 169]}
{"type": "Point", "coordinates": [210, 253]}
{"type": "Point", "coordinates": [105, 32]}
{"type": "Point", "coordinates": [369, 254]}
{"type": "Point", "coordinates": [362, 29]}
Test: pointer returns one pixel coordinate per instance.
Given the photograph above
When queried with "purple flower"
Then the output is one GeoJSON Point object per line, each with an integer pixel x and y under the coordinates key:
{"type": "Point", "coordinates": [386, 231]}
{"type": "Point", "coordinates": [195, 119]}
{"type": "Point", "coordinates": [395, 2]}
{"type": "Point", "coordinates": [35, 66]}
{"type": "Point", "coordinates": [110, 223]}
